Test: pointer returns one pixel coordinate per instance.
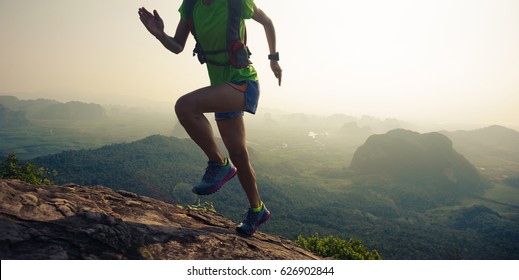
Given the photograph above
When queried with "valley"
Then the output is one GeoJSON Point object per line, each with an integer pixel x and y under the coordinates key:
{"type": "Point", "coordinates": [451, 198]}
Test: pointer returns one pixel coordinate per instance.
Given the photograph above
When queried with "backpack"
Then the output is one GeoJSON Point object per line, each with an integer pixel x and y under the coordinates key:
{"type": "Point", "coordinates": [236, 49]}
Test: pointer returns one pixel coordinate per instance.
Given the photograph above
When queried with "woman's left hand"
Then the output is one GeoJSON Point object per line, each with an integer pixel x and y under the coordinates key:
{"type": "Point", "coordinates": [274, 65]}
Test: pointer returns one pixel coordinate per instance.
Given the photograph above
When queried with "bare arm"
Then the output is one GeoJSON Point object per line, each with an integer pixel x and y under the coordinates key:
{"type": "Point", "coordinates": [155, 25]}
{"type": "Point", "coordinates": [270, 32]}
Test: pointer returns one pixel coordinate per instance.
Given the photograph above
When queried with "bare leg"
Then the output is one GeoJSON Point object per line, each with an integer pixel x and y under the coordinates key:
{"type": "Point", "coordinates": [190, 110]}
{"type": "Point", "coordinates": [234, 137]}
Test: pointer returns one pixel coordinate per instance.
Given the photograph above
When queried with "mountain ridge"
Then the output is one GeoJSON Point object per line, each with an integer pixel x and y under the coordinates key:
{"type": "Point", "coordinates": [493, 149]}
{"type": "Point", "coordinates": [46, 109]}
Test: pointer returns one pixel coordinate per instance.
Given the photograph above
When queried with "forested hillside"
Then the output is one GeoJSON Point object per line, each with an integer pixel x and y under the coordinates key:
{"type": "Point", "coordinates": [405, 194]}
{"type": "Point", "coordinates": [400, 220]}
{"type": "Point", "coordinates": [33, 128]}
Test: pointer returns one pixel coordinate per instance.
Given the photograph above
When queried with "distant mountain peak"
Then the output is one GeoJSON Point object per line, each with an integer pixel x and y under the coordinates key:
{"type": "Point", "coordinates": [412, 158]}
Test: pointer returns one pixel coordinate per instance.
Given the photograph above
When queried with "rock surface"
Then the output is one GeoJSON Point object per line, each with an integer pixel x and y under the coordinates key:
{"type": "Point", "coordinates": [78, 222]}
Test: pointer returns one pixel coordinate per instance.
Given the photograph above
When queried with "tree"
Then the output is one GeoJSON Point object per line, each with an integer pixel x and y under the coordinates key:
{"type": "Point", "coordinates": [10, 168]}
{"type": "Point", "coordinates": [337, 248]}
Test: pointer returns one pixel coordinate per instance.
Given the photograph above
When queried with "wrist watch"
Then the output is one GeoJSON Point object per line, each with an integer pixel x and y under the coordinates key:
{"type": "Point", "coordinates": [274, 56]}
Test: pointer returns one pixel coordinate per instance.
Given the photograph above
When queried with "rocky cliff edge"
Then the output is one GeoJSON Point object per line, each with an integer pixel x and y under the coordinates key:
{"type": "Point", "coordinates": [95, 222]}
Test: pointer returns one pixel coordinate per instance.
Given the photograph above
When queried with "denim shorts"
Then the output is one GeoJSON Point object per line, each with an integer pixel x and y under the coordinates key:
{"type": "Point", "coordinates": [250, 89]}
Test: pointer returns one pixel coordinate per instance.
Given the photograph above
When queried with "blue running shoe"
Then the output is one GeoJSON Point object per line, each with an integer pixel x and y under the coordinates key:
{"type": "Point", "coordinates": [253, 221]}
{"type": "Point", "coordinates": [215, 177]}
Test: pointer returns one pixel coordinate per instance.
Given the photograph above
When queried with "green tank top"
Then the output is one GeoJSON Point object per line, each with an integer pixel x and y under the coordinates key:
{"type": "Point", "coordinates": [211, 28]}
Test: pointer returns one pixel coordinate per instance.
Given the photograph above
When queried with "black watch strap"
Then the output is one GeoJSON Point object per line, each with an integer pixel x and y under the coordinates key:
{"type": "Point", "coordinates": [274, 56]}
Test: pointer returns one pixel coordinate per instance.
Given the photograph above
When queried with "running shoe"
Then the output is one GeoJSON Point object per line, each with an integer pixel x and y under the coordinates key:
{"type": "Point", "coordinates": [253, 221]}
{"type": "Point", "coordinates": [216, 175]}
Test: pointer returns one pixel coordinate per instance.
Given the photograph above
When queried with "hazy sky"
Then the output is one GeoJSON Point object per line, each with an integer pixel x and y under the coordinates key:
{"type": "Point", "coordinates": [448, 60]}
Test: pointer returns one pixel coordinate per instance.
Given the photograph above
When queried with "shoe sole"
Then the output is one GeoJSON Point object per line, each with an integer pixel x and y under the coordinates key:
{"type": "Point", "coordinates": [249, 233]}
{"type": "Point", "coordinates": [219, 185]}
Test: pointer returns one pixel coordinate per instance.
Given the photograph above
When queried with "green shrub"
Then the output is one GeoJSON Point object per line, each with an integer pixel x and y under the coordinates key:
{"type": "Point", "coordinates": [11, 168]}
{"type": "Point", "coordinates": [337, 248]}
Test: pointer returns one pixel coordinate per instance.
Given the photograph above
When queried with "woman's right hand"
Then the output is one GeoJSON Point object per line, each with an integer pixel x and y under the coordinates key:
{"type": "Point", "coordinates": [152, 22]}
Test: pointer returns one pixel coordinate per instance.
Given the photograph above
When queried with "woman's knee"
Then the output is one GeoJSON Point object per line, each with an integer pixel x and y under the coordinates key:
{"type": "Point", "coordinates": [184, 108]}
{"type": "Point", "coordinates": [181, 106]}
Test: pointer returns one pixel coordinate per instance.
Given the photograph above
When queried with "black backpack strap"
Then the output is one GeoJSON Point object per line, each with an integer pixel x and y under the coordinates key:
{"type": "Point", "coordinates": [238, 51]}
{"type": "Point", "coordinates": [233, 29]}
{"type": "Point", "coordinates": [189, 7]}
